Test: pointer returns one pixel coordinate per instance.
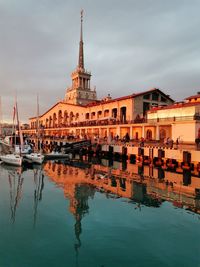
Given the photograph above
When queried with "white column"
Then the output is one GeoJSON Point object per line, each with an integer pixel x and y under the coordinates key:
{"type": "Point", "coordinates": [118, 131]}
{"type": "Point", "coordinates": [157, 133]}
{"type": "Point", "coordinates": [143, 133]}
{"type": "Point", "coordinates": [131, 132]}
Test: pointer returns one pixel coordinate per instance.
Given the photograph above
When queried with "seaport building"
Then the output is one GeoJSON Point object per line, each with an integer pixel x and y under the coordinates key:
{"type": "Point", "coordinates": [81, 114]}
{"type": "Point", "coordinates": [151, 114]}
{"type": "Point", "coordinates": [170, 130]}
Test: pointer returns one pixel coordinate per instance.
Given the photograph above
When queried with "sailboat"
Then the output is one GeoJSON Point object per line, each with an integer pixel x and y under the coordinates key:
{"type": "Point", "coordinates": [13, 158]}
{"type": "Point", "coordinates": [36, 157]}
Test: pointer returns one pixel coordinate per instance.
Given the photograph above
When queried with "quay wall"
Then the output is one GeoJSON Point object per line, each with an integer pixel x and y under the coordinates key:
{"type": "Point", "coordinates": [179, 155]}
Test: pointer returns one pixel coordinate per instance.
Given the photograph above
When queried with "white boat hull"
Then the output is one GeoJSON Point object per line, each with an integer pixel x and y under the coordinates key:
{"type": "Point", "coordinates": [35, 157]}
{"type": "Point", "coordinates": [12, 159]}
{"type": "Point", "coordinates": [57, 156]}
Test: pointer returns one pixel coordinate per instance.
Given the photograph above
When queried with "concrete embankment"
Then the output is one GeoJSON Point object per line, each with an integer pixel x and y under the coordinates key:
{"type": "Point", "coordinates": [170, 158]}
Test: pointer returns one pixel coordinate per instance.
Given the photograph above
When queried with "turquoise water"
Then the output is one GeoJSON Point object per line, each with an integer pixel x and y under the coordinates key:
{"type": "Point", "coordinates": [48, 220]}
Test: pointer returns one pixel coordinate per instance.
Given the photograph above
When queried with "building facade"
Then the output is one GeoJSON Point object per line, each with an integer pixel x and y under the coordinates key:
{"type": "Point", "coordinates": [80, 113]}
{"type": "Point", "coordinates": [180, 121]}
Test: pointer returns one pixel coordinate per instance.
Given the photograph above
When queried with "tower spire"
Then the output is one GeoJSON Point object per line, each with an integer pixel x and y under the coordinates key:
{"type": "Point", "coordinates": [81, 55]}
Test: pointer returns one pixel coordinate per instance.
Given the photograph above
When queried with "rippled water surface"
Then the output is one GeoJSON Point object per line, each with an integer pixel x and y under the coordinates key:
{"type": "Point", "coordinates": [62, 215]}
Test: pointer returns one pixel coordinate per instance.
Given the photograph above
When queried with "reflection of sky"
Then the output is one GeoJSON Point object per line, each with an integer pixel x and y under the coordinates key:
{"type": "Point", "coordinates": [155, 233]}
{"type": "Point", "coordinates": [114, 232]}
{"type": "Point", "coordinates": [134, 46]}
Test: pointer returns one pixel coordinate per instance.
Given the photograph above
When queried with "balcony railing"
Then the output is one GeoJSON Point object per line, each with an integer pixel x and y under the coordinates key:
{"type": "Point", "coordinates": [171, 119]}
{"type": "Point", "coordinates": [105, 122]}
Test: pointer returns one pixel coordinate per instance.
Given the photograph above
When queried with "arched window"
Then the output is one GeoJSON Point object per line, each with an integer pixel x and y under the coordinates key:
{"type": "Point", "coordinates": [123, 114]}
{"type": "Point", "coordinates": [87, 116]}
{"type": "Point", "coordinates": [99, 113]}
{"type": "Point", "coordinates": [50, 121]}
{"type": "Point", "coordinates": [114, 113]}
{"type": "Point", "coordinates": [46, 124]}
{"type": "Point", "coordinates": [149, 134]}
{"type": "Point", "coordinates": [199, 133]}
{"type": "Point", "coordinates": [65, 117]}
{"type": "Point", "coordinates": [71, 115]}
{"type": "Point", "coordinates": [106, 113]}
{"type": "Point", "coordinates": [60, 118]}
{"type": "Point", "coordinates": [54, 120]}
{"type": "Point", "coordinates": [77, 116]}
{"type": "Point", "coordinates": [163, 134]}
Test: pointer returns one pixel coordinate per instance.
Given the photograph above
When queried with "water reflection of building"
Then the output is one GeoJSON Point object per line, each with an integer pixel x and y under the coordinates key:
{"type": "Point", "coordinates": [141, 184]}
{"type": "Point", "coordinates": [79, 207]}
{"type": "Point", "coordinates": [74, 182]}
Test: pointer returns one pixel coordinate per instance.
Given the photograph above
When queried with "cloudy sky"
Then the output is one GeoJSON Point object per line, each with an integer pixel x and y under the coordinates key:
{"type": "Point", "coordinates": [130, 46]}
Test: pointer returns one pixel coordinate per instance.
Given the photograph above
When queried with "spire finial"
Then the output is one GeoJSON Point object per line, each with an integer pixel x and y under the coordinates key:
{"type": "Point", "coordinates": [81, 58]}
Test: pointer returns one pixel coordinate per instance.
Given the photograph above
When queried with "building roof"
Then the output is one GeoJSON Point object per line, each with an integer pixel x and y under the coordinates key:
{"type": "Point", "coordinates": [173, 106]}
{"type": "Point", "coordinates": [98, 102]}
{"type": "Point", "coordinates": [134, 95]}
{"type": "Point", "coordinates": [60, 102]}
{"type": "Point", "coordinates": [193, 96]}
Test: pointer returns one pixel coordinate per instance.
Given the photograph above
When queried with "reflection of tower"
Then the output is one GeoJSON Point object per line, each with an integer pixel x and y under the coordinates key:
{"type": "Point", "coordinates": [79, 207]}
{"type": "Point", "coordinates": [15, 183]}
{"type": "Point", "coordinates": [39, 185]}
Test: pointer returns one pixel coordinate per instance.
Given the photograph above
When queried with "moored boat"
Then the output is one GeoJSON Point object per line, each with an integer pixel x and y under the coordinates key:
{"type": "Point", "coordinates": [35, 157]}
{"type": "Point", "coordinates": [57, 155]}
{"type": "Point", "coordinates": [12, 159]}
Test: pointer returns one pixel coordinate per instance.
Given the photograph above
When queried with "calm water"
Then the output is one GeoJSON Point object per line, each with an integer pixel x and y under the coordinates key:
{"type": "Point", "coordinates": [67, 216]}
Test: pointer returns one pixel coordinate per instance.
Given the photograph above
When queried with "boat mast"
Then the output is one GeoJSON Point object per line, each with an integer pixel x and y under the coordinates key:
{"type": "Point", "coordinates": [19, 130]}
{"type": "Point", "coordinates": [37, 126]}
{"type": "Point", "coordinates": [14, 124]}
